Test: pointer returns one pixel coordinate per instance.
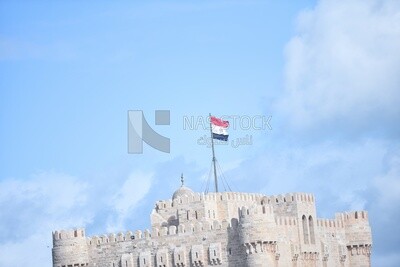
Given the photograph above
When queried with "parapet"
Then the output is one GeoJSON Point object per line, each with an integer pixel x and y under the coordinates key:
{"type": "Point", "coordinates": [286, 221]}
{"type": "Point", "coordinates": [68, 234]}
{"type": "Point", "coordinates": [344, 219]}
{"type": "Point", "coordinates": [353, 217]}
{"type": "Point", "coordinates": [213, 197]}
{"type": "Point", "coordinates": [330, 223]}
{"type": "Point", "coordinates": [238, 196]}
{"type": "Point", "coordinates": [250, 212]}
{"type": "Point", "coordinates": [197, 227]}
{"type": "Point", "coordinates": [291, 197]}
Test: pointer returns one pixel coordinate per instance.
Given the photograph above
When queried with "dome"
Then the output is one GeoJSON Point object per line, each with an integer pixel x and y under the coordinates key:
{"type": "Point", "coordinates": [182, 191]}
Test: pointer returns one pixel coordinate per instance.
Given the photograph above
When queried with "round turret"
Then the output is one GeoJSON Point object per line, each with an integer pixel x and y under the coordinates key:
{"type": "Point", "coordinates": [257, 233]}
{"type": "Point", "coordinates": [70, 248]}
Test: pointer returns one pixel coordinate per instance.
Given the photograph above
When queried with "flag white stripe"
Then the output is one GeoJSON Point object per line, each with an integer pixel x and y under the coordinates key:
{"type": "Point", "coordinates": [219, 130]}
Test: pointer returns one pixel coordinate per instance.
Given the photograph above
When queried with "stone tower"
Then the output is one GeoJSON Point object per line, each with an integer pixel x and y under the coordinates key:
{"type": "Point", "coordinates": [70, 246]}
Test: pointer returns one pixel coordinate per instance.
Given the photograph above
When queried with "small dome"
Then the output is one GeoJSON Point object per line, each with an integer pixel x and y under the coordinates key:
{"type": "Point", "coordinates": [182, 191]}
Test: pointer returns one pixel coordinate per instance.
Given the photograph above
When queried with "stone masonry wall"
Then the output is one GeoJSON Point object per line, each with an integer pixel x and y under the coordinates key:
{"type": "Point", "coordinates": [226, 229]}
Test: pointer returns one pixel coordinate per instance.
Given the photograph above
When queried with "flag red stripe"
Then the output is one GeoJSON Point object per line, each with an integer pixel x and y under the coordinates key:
{"type": "Point", "coordinates": [219, 122]}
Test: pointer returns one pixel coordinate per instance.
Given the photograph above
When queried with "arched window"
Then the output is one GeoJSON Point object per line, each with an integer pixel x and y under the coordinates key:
{"type": "Point", "coordinates": [195, 214]}
{"type": "Point", "coordinates": [187, 215]}
{"type": "Point", "coordinates": [356, 215]}
{"type": "Point", "coordinates": [311, 227]}
{"type": "Point", "coordinates": [305, 230]}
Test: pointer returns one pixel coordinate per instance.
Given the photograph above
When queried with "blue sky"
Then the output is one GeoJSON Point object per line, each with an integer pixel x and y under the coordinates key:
{"type": "Point", "coordinates": [326, 71]}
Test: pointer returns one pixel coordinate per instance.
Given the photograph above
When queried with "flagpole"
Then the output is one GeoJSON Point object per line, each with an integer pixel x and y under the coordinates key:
{"type": "Point", "coordinates": [213, 153]}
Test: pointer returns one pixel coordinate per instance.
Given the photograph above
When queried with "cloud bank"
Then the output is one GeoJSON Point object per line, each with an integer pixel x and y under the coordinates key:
{"type": "Point", "coordinates": [340, 108]}
{"type": "Point", "coordinates": [32, 208]}
{"type": "Point", "coordinates": [342, 68]}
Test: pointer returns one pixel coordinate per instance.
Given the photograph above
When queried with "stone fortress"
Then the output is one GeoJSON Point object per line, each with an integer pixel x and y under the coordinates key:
{"type": "Point", "coordinates": [226, 229]}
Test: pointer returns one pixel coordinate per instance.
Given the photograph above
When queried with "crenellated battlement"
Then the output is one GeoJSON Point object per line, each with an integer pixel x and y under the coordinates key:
{"type": "Point", "coordinates": [245, 211]}
{"type": "Point", "coordinates": [330, 223]}
{"type": "Point", "coordinates": [343, 219]}
{"type": "Point", "coordinates": [119, 237]}
{"type": "Point", "coordinates": [209, 197]}
{"type": "Point", "coordinates": [235, 196]}
{"type": "Point", "coordinates": [292, 197]}
{"type": "Point", "coordinates": [68, 234]}
{"type": "Point", "coordinates": [160, 232]}
{"type": "Point", "coordinates": [190, 228]}
{"type": "Point", "coordinates": [353, 216]}
{"type": "Point", "coordinates": [254, 210]}
{"type": "Point", "coordinates": [286, 221]}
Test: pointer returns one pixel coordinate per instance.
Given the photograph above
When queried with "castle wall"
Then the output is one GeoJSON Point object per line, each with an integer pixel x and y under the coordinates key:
{"type": "Point", "coordinates": [226, 229]}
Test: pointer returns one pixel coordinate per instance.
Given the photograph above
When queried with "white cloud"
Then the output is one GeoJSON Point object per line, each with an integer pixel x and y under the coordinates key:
{"type": "Point", "coordinates": [34, 250]}
{"type": "Point", "coordinates": [127, 198]}
{"type": "Point", "coordinates": [342, 79]}
{"type": "Point", "coordinates": [343, 66]}
{"type": "Point", "coordinates": [31, 209]}
{"type": "Point", "coordinates": [388, 184]}
{"type": "Point", "coordinates": [360, 175]}
{"type": "Point", "coordinates": [384, 212]}
{"type": "Point", "coordinates": [334, 172]}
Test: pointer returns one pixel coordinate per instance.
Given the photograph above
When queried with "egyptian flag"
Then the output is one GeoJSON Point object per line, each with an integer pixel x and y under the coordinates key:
{"type": "Point", "coordinates": [218, 128]}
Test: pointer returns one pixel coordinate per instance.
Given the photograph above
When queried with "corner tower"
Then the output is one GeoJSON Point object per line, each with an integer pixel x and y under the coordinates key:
{"type": "Point", "coordinates": [70, 248]}
{"type": "Point", "coordinates": [257, 233]}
